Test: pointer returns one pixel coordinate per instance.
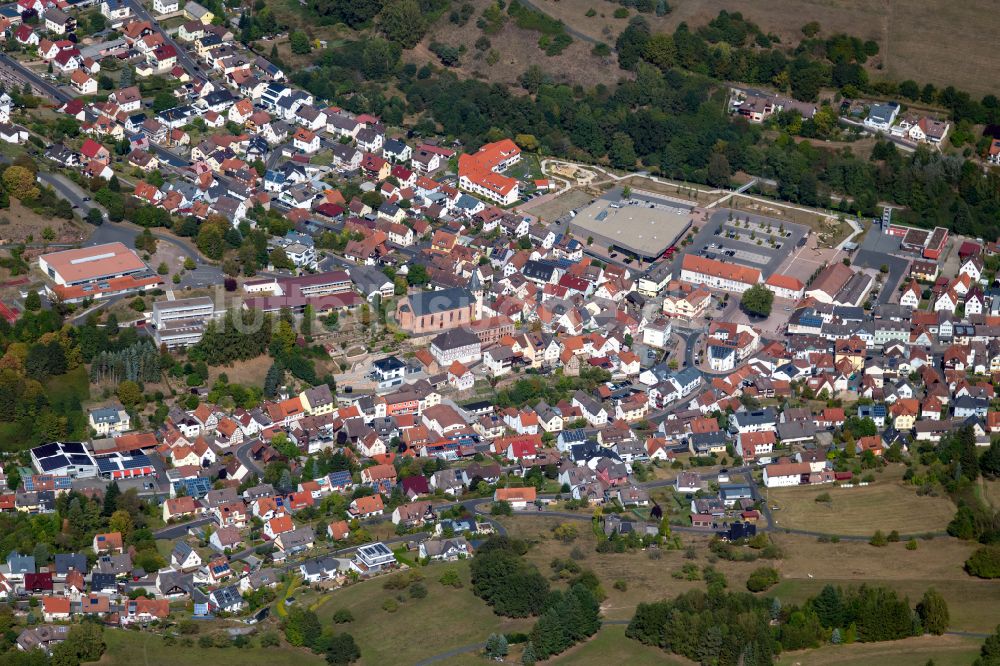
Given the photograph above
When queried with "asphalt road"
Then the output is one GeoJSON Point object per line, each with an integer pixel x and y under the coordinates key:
{"type": "Point", "coordinates": [242, 453]}
{"type": "Point", "coordinates": [180, 529]}
{"type": "Point", "coordinates": [36, 81]}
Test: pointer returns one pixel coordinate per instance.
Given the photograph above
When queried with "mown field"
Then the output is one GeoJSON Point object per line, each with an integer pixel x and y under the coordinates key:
{"type": "Point", "coordinates": [133, 648]}
{"type": "Point", "coordinates": [888, 504]}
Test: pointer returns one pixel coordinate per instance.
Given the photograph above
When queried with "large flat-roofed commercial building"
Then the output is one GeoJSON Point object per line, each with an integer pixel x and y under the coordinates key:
{"type": "Point", "coordinates": [181, 323]}
{"type": "Point", "coordinates": [642, 228]}
{"type": "Point", "coordinates": [64, 459]}
{"type": "Point", "coordinates": [99, 271]}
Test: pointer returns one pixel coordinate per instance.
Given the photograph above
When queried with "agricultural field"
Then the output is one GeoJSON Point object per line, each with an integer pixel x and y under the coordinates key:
{"type": "Point", "coordinates": [888, 504]}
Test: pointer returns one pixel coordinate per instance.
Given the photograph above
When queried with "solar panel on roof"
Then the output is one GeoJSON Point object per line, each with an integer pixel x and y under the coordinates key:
{"type": "Point", "coordinates": [380, 548]}
{"type": "Point", "coordinates": [45, 450]}
{"type": "Point", "coordinates": [135, 462]}
{"type": "Point", "coordinates": [80, 459]}
{"type": "Point", "coordinates": [106, 466]}
{"type": "Point", "coordinates": [73, 447]}
{"type": "Point", "coordinates": [53, 462]}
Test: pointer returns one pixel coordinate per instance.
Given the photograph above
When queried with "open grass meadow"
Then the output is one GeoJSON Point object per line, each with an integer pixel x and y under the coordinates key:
{"type": "Point", "coordinates": [806, 567]}
{"type": "Point", "coordinates": [610, 645]}
{"type": "Point", "coordinates": [888, 504]}
{"type": "Point", "coordinates": [134, 648]}
{"type": "Point", "coordinates": [445, 619]}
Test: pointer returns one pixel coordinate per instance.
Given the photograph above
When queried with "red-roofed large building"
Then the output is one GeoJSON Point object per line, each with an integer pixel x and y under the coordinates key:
{"type": "Point", "coordinates": [785, 286]}
{"type": "Point", "coordinates": [718, 275]}
{"type": "Point", "coordinates": [481, 172]}
{"type": "Point", "coordinates": [99, 271]}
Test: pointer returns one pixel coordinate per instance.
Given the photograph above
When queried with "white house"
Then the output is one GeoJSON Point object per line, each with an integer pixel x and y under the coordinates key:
{"type": "Point", "coordinates": [305, 140]}
{"type": "Point", "coordinates": [166, 6]}
{"type": "Point", "coordinates": [780, 475]}
{"type": "Point", "coordinates": [115, 10]}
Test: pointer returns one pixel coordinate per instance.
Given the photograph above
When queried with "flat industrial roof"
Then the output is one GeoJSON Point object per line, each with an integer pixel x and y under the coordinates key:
{"type": "Point", "coordinates": [637, 226]}
{"type": "Point", "coordinates": [89, 263]}
{"type": "Point", "coordinates": [182, 303]}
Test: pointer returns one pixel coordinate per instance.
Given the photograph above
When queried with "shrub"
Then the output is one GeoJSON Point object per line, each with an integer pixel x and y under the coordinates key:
{"type": "Point", "coordinates": [824, 498]}
{"type": "Point", "coordinates": [911, 544]}
{"type": "Point", "coordinates": [762, 579]}
{"type": "Point", "coordinates": [390, 605]}
{"type": "Point", "coordinates": [984, 563]}
{"type": "Point", "coordinates": [343, 616]}
{"type": "Point", "coordinates": [878, 540]}
{"type": "Point", "coordinates": [418, 591]}
{"type": "Point", "coordinates": [620, 585]}
{"type": "Point", "coordinates": [450, 577]}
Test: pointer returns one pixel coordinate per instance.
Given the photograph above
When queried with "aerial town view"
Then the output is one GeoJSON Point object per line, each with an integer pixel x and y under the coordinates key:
{"type": "Point", "coordinates": [460, 332]}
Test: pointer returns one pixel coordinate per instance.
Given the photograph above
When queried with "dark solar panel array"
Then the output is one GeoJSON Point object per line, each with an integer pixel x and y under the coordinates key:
{"type": "Point", "coordinates": [53, 462]}
{"type": "Point", "coordinates": [46, 450]}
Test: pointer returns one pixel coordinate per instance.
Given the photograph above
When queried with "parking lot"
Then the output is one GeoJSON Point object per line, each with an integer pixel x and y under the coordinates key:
{"type": "Point", "coordinates": [762, 257]}
{"type": "Point", "coordinates": [878, 249]}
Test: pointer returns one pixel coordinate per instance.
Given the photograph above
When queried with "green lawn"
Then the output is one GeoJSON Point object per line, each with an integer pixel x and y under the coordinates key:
{"type": "Point", "coordinates": [64, 388]}
{"type": "Point", "coordinates": [610, 645]}
{"type": "Point", "coordinates": [446, 618]}
{"type": "Point", "coordinates": [132, 648]}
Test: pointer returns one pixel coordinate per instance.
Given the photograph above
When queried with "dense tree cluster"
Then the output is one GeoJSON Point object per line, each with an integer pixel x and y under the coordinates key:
{"type": "Point", "coordinates": [138, 363]}
{"type": "Point", "coordinates": [35, 402]}
{"type": "Point", "coordinates": [303, 629]}
{"type": "Point", "coordinates": [532, 389]}
{"type": "Point", "coordinates": [239, 336]}
{"type": "Point", "coordinates": [722, 628]}
{"type": "Point", "coordinates": [569, 618]}
{"type": "Point", "coordinates": [502, 578]}
{"type": "Point", "coordinates": [729, 628]}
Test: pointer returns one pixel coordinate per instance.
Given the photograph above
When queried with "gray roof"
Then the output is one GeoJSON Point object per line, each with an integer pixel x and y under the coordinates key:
{"type": "Point", "coordinates": [434, 302]}
{"type": "Point", "coordinates": [297, 538]}
{"type": "Point", "coordinates": [21, 563]}
{"type": "Point", "coordinates": [455, 338]}
{"type": "Point", "coordinates": [65, 562]}
{"type": "Point", "coordinates": [226, 597]}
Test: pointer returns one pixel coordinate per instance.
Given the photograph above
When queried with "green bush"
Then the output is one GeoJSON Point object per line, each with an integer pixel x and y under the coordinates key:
{"type": "Point", "coordinates": [984, 563]}
{"type": "Point", "coordinates": [762, 579]}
